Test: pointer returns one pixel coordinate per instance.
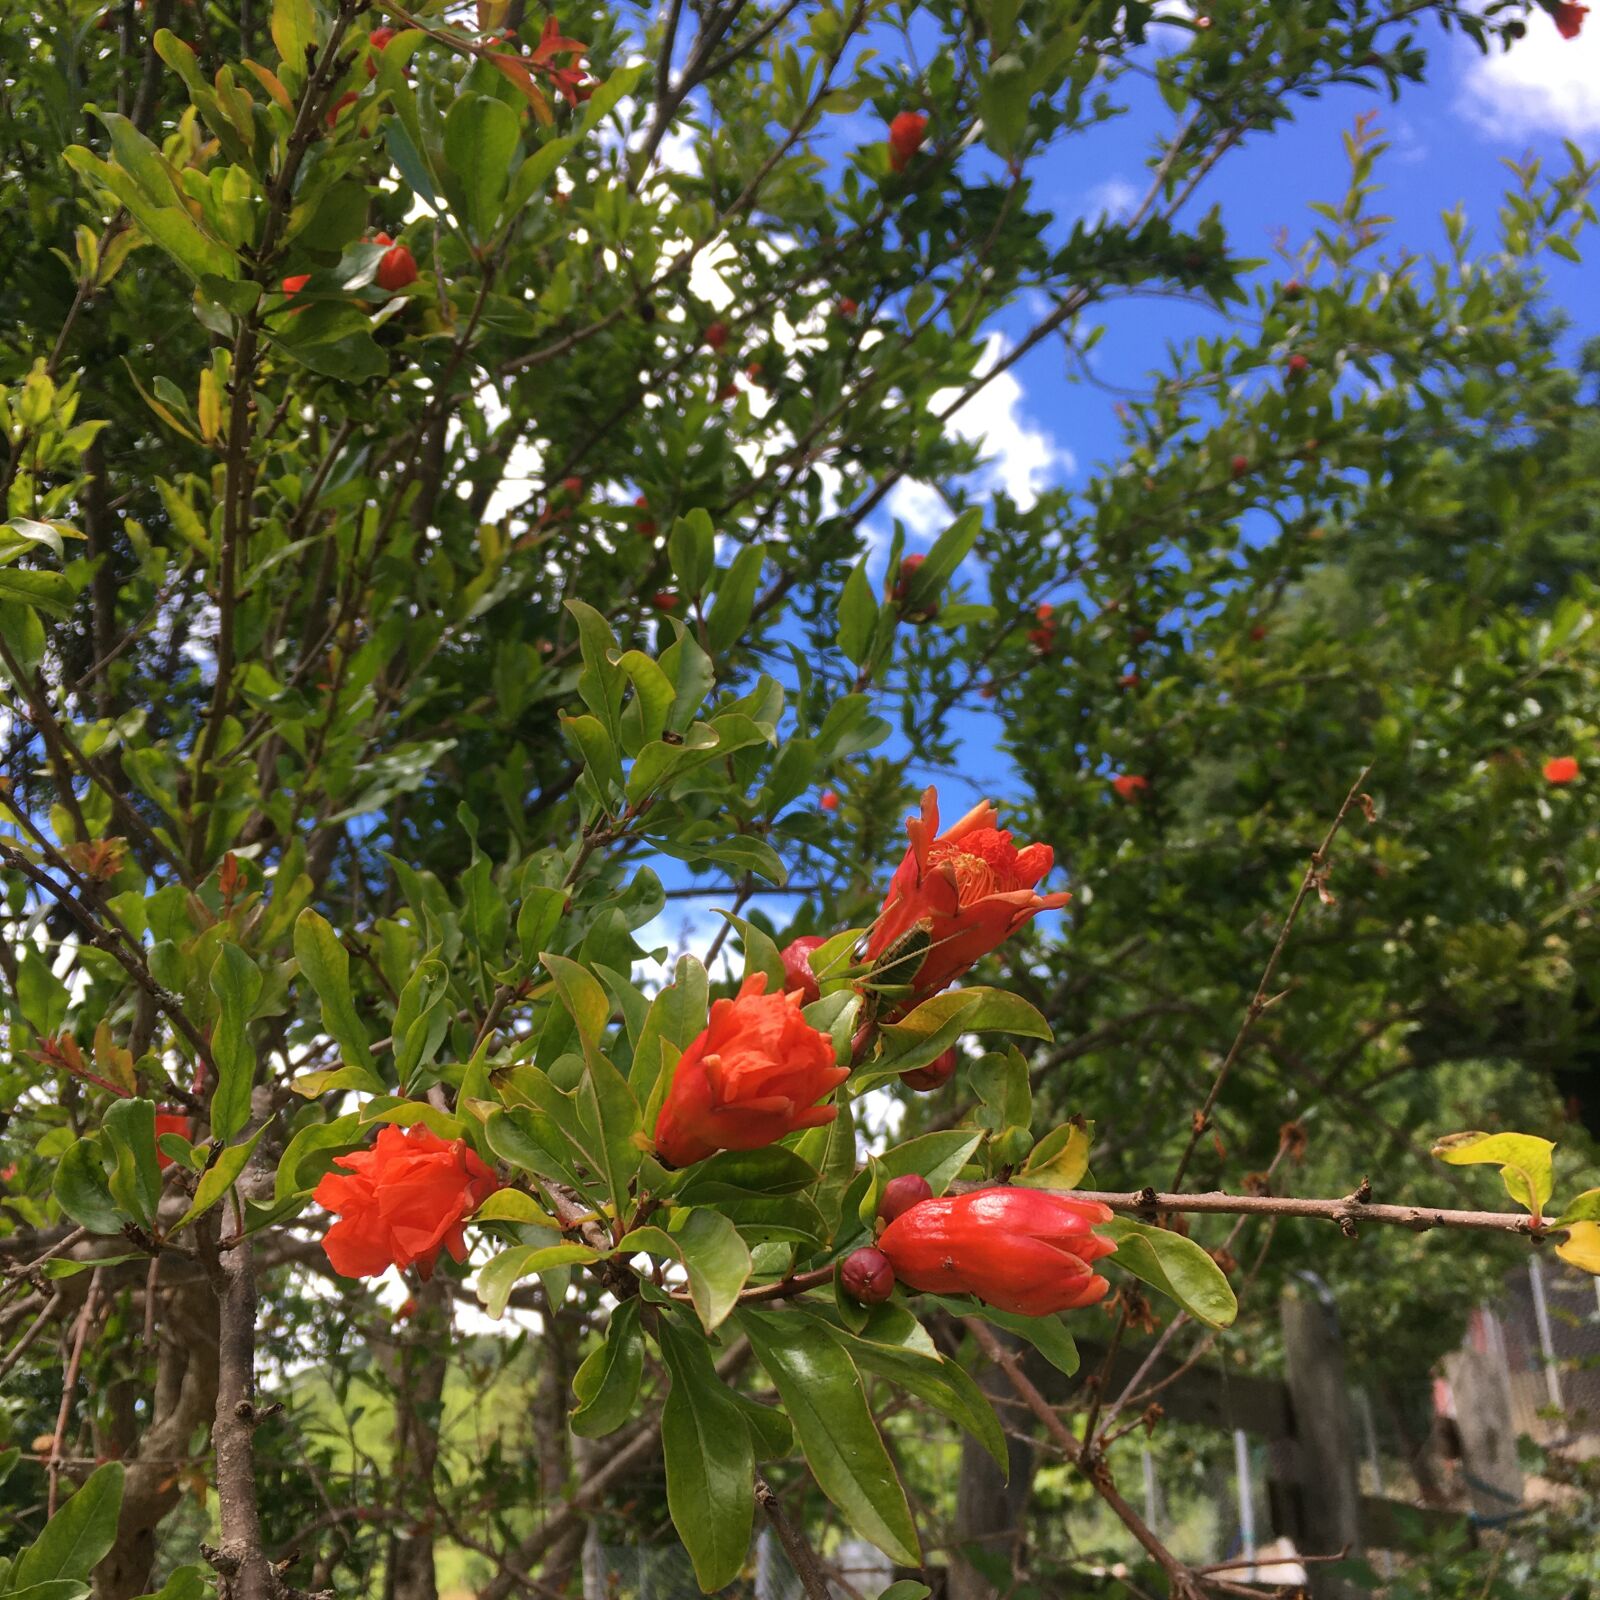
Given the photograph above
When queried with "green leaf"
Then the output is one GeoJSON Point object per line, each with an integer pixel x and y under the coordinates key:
{"type": "Point", "coordinates": [1060, 1159]}
{"type": "Point", "coordinates": [949, 550]}
{"type": "Point", "coordinates": [186, 1583]}
{"type": "Point", "coordinates": [1003, 99]}
{"type": "Point", "coordinates": [79, 1187]}
{"type": "Point", "coordinates": [894, 1345]}
{"type": "Point", "coordinates": [49, 592]}
{"type": "Point", "coordinates": [736, 594]}
{"type": "Point", "coordinates": [938, 1157]}
{"type": "Point", "coordinates": [858, 614]}
{"type": "Point", "coordinates": [500, 1274]}
{"type": "Point", "coordinates": [294, 28]}
{"type": "Point", "coordinates": [236, 982]}
{"type": "Point", "coordinates": [326, 965]}
{"type": "Point", "coordinates": [821, 1390]}
{"type": "Point", "coordinates": [607, 1384]}
{"type": "Point", "coordinates": [75, 1540]}
{"type": "Point", "coordinates": [709, 1459]}
{"type": "Point", "coordinates": [1050, 1336]}
{"type": "Point", "coordinates": [1584, 1208]}
{"type": "Point", "coordinates": [480, 139]}
{"type": "Point", "coordinates": [220, 1177]}
{"type": "Point", "coordinates": [692, 549]}
{"type": "Point", "coordinates": [129, 1128]}
{"type": "Point", "coordinates": [1524, 1160]}
{"type": "Point", "coordinates": [1178, 1267]}
{"type": "Point", "coordinates": [422, 1018]}
{"type": "Point", "coordinates": [715, 1259]}
{"type": "Point", "coordinates": [906, 1589]}
{"type": "Point", "coordinates": [309, 1154]}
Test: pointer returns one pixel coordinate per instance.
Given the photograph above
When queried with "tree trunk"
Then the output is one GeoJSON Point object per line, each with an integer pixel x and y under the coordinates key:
{"type": "Point", "coordinates": [991, 1511]}
{"type": "Point", "coordinates": [416, 1364]}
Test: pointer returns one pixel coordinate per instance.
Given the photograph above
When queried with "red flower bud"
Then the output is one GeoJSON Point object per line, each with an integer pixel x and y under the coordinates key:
{"type": "Point", "coordinates": [1130, 785]}
{"type": "Point", "coordinates": [573, 486]}
{"type": "Point", "coordinates": [408, 1308]}
{"type": "Point", "coordinates": [906, 134]}
{"type": "Point", "coordinates": [1028, 1251]}
{"type": "Point", "coordinates": [935, 1075]}
{"type": "Point", "coordinates": [1258, 632]}
{"type": "Point", "coordinates": [1043, 638]}
{"type": "Point", "coordinates": [751, 1077]}
{"type": "Point", "coordinates": [1128, 680]}
{"type": "Point", "coordinates": [716, 335]}
{"type": "Point", "coordinates": [664, 600]}
{"type": "Point", "coordinates": [987, 690]}
{"type": "Point", "coordinates": [829, 800]}
{"type": "Point", "coordinates": [396, 267]}
{"type": "Point", "coordinates": [402, 1201]}
{"type": "Point", "coordinates": [1561, 769]}
{"type": "Point", "coordinates": [964, 891]}
{"type": "Point", "coordinates": [1293, 289]}
{"type": "Point", "coordinates": [1239, 466]}
{"type": "Point", "coordinates": [729, 391]}
{"type": "Point", "coordinates": [845, 306]}
{"type": "Point", "coordinates": [1141, 635]}
{"type": "Point", "coordinates": [646, 525]}
{"type": "Point", "coordinates": [1298, 365]}
{"type": "Point", "coordinates": [867, 1276]}
{"type": "Point", "coordinates": [900, 1194]}
{"type": "Point", "coordinates": [295, 283]}
{"type": "Point", "coordinates": [798, 978]}
{"type": "Point", "coordinates": [905, 577]}
{"type": "Point", "coordinates": [1569, 20]}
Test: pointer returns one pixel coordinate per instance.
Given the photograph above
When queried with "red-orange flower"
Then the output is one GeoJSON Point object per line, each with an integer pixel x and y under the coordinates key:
{"type": "Point", "coordinates": [1561, 769]}
{"type": "Point", "coordinates": [1569, 20]}
{"type": "Point", "coordinates": [906, 134]}
{"type": "Point", "coordinates": [1029, 1251]}
{"type": "Point", "coordinates": [966, 891]}
{"type": "Point", "coordinates": [752, 1076]}
{"type": "Point", "coordinates": [1043, 638]}
{"type": "Point", "coordinates": [1130, 785]}
{"type": "Point", "coordinates": [403, 1201]}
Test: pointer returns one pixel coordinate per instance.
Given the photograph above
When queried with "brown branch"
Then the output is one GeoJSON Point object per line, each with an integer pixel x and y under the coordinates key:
{"type": "Point", "coordinates": [68, 1383]}
{"type": "Point", "coordinates": [1315, 873]}
{"type": "Point", "coordinates": [1346, 1212]}
{"type": "Point", "coordinates": [801, 1556]}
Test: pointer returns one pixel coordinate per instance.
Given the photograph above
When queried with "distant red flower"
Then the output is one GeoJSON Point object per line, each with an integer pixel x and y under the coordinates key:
{"type": "Point", "coordinates": [1239, 466]}
{"type": "Point", "coordinates": [798, 978]}
{"type": "Point", "coordinates": [1298, 365]}
{"type": "Point", "coordinates": [1569, 20]}
{"type": "Point", "coordinates": [1258, 632]}
{"type": "Point", "coordinates": [664, 600]}
{"type": "Point", "coordinates": [1561, 769]}
{"type": "Point", "coordinates": [348, 99]}
{"type": "Point", "coordinates": [906, 134]}
{"type": "Point", "coordinates": [729, 391]}
{"type": "Point", "coordinates": [964, 891]}
{"type": "Point", "coordinates": [752, 1076]}
{"type": "Point", "coordinates": [377, 42]}
{"type": "Point", "coordinates": [1027, 1251]}
{"type": "Point", "coordinates": [845, 306]}
{"type": "Point", "coordinates": [396, 266]}
{"type": "Point", "coordinates": [829, 800]}
{"type": "Point", "coordinates": [293, 284]}
{"type": "Point", "coordinates": [646, 525]}
{"type": "Point", "coordinates": [1130, 785]}
{"type": "Point", "coordinates": [402, 1201]}
{"type": "Point", "coordinates": [573, 486]}
{"type": "Point", "coordinates": [1043, 637]}
{"type": "Point", "coordinates": [904, 582]}
{"type": "Point", "coordinates": [716, 335]}
{"type": "Point", "coordinates": [1128, 680]}
{"type": "Point", "coordinates": [170, 1122]}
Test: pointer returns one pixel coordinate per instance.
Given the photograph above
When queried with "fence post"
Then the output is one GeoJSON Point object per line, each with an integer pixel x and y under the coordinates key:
{"type": "Point", "coordinates": [1477, 1378]}
{"type": "Point", "coordinates": [1329, 1501]}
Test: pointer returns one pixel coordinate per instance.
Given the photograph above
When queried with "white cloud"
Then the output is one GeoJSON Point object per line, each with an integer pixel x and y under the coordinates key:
{"type": "Point", "coordinates": [1111, 201]}
{"type": "Point", "coordinates": [1020, 459]}
{"type": "Point", "coordinates": [1542, 84]}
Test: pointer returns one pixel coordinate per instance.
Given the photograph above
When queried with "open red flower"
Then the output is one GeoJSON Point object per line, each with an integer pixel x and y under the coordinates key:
{"type": "Point", "coordinates": [1043, 638]}
{"type": "Point", "coordinates": [1569, 20]}
{"type": "Point", "coordinates": [1028, 1251]}
{"type": "Point", "coordinates": [1561, 769]}
{"type": "Point", "coordinates": [402, 1202]}
{"type": "Point", "coordinates": [751, 1077]}
{"type": "Point", "coordinates": [1130, 785]}
{"type": "Point", "coordinates": [906, 134]}
{"type": "Point", "coordinates": [964, 891]}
